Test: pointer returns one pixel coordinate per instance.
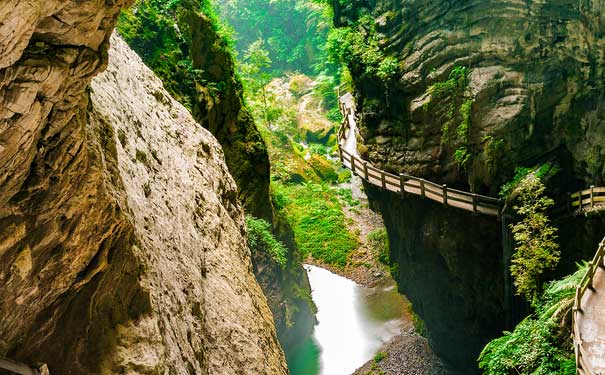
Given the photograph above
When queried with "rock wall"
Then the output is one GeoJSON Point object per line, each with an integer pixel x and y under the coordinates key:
{"type": "Point", "coordinates": [214, 96]}
{"type": "Point", "coordinates": [122, 243]}
{"type": "Point", "coordinates": [532, 95]}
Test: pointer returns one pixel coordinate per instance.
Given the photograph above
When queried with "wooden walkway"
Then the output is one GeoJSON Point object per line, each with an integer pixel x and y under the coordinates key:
{"type": "Point", "coordinates": [402, 184]}
{"type": "Point", "coordinates": [589, 318]}
{"type": "Point", "coordinates": [591, 199]}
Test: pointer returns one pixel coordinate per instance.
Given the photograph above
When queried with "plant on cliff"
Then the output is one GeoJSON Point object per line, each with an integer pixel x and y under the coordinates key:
{"type": "Point", "coordinates": [157, 31]}
{"type": "Point", "coordinates": [453, 91]}
{"type": "Point", "coordinates": [536, 248]}
{"type": "Point", "coordinates": [359, 46]}
{"type": "Point", "coordinates": [541, 343]}
{"type": "Point", "coordinates": [261, 239]}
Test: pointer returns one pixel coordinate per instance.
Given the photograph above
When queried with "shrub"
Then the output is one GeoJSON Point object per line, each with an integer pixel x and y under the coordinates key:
{"type": "Point", "coordinates": [380, 356]}
{"type": "Point", "coordinates": [536, 249]}
{"type": "Point", "coordinates": [260, 238]}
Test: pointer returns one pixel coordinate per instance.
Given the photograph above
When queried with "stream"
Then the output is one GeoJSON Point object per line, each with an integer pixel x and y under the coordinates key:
{"type": "Point", "coordinates": [353, 322]}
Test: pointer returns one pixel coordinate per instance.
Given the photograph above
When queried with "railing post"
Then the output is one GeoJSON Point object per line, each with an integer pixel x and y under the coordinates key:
{"type": "Point", "coordinates": [579, 201]}
{"type": "Point", "coordinates": [591, 196]}
{"type": "Point", "coordinates": [353, 164]}
{"type": "Point", "coordinates": [422, 192]}
{"type": "Point", "coordinates": [365, 170]}
{"type": "Point", "coordinates": [444, 194]}
{"type": "Point", "coordinates": [401, 183]}
{"type": "Point", "coordinates": [383, 178]}
{"type": "Point", "coordinates": [474, 202]}
{"type": "Point", "coordinates": [342, 159]}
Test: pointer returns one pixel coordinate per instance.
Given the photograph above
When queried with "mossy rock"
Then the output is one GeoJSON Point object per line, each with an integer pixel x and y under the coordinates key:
{"type": "Point", "coordinates": [323, 168]}
{"type": "Point", "coordinates": [297, 171]}
{"type": "Point", "coordinates": [344, 176]}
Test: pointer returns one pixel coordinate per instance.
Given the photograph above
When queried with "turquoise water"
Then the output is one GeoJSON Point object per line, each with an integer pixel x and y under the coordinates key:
{"type": "Point", "coordinates": [353, 323]}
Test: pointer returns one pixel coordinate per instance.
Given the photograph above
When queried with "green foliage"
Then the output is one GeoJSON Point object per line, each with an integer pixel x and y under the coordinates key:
{"type": "Point", "coordinates": [380, 356]}
{"type": "Point", "coordinates": [507, 188]}
{"type": "Point", "coordinates": [536, 248]}
{"type": "Point", "coordinates": [295, 30]}
{"type": "Point", "coordinates": [456, 83]}
{"type": "Point", "coordinates": [379, 244]}
{"type": "Point", "coordinates": [359, 45]}
{"type": "Point", "coordinates": [544, 170]}
{"type": "Point", "coordinates": [253, 70]}
{"type": "Point", "coordinates": [260, 238]}
{"type": "Point", "coordinates": [347, 196]}
{"type": "Point", "coordinates": [315, 214]}
{"type": "Point", "coordinates": [453, 89]}
{"type": "Point", "coordinates": [159, 31]}
{"type": "Point", "coordinates": [462, 156]}
{"type": "Point", "coordinates": [540, 344]}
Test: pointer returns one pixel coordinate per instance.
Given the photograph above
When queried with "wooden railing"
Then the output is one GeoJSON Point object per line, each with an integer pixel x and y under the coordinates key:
{"type": "Point", "coordinates": [403, 183]}
{"type": "Point", "coordinates": [586, 283]}
{"type": "Point", "coordinates": [21, 368]}
{"type": "Point", "coordinates": [589, 199]}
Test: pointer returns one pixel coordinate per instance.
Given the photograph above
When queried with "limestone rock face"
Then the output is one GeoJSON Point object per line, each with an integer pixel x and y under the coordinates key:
{"type": "Point", "coordinates": [122, 243]}
{"type": "Point", "coordinates": [535, 81]}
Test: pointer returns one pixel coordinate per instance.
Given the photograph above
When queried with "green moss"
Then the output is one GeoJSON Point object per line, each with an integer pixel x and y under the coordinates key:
{"type": "Point", "coordinates": [347, 196]}
{"type": "Point", "coordinates": [141, 157]}
{"type": "Point", "coordinates": [380, 356]}
{"type": "Point", "coordinates": [260, 238]}
{"type": "Point", "coordinates": [319, 224]}
{"type": "Point", "coordinates": [344, 176]}
{"type": "Point", "coordinates": [323, 168]}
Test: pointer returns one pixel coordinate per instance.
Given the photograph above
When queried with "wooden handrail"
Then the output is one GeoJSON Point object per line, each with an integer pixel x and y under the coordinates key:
{"type": "Point", "coordinates": [584, 366]}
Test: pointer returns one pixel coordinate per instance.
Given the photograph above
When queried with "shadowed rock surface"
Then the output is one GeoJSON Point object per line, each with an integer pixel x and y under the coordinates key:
{"type": "Point", "coordinates": [122, 242]}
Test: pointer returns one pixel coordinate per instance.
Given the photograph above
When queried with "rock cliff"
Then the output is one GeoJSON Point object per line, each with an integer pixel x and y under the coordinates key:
{"type": "Point", "coordinates": [122, 242]}
{"type": "Point", "coordinates": [477, 88]}
{"type": "Point", "coordinates": [196, 65]}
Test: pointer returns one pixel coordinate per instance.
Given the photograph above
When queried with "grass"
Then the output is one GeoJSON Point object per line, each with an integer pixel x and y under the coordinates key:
{"type": "Point", "coordinates": [315, 214]}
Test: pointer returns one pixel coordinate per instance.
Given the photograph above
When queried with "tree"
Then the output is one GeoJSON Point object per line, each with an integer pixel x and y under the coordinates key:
{"type": "Point", "coordinates": [254, 71]}
{"type": "Point", "coordinates": [536, 249]}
